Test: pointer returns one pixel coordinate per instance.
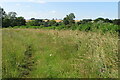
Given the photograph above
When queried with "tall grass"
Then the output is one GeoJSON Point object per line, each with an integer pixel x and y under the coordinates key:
{"type": "Point", "coordinates": [60, 54]}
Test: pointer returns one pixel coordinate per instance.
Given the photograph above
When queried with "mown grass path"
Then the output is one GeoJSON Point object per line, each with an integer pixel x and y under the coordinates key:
{"type": "Point", "coordinates": [27, 63]}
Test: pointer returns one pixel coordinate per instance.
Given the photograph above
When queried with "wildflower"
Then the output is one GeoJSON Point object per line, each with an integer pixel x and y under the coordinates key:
{"type": "Point", "coordinates": [50, 54]}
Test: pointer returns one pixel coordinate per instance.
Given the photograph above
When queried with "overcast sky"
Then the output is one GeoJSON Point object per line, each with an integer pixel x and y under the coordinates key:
{"type": "Point", "coordinates": [43, 9]}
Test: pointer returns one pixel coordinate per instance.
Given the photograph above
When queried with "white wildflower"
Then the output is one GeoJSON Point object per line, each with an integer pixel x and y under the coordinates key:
{"type": "Point", "coordinates": [50, 54]}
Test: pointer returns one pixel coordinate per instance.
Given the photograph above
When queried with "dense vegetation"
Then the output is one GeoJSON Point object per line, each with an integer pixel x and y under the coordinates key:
{"type": "Point", "coordinates": [101, 24]}
{"type": "Point", "coordinates": [83, 49]}
{"type": "Point", "coordinates": [37, 53]}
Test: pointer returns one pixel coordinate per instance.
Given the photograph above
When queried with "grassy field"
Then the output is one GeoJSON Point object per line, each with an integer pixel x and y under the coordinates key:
{"type": "Point", "coordinates": [38, 53]}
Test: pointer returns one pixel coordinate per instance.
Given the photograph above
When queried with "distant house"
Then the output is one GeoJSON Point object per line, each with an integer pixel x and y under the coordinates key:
{"type": "Point", "coordinates": [77, 20]}
{"type": "Point", "coordinates": [46, 20]}
{"type": "Point", "coordinates": [49, 20]}
{"type": "Point", "coordinates": [58, 20]}
{"type": "Point", "coordinates": [28, 20]}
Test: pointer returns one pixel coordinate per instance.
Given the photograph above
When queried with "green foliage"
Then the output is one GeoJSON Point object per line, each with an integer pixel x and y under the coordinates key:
{"type": "Point", "coordinates": [61, 27]}
{"type": "Point", "coordinates": [84, 21]}
{"type": "Point", "coordinates": [6, 22]}
{"type": "Point", "coordinates": [39, 22]}
{"type": "Point", "coordinates": [35, 22]}
{"type": "Point", "coordinates": [31, 23]}
{"type": "Point", "coordinates": [89, 26]}
{"type": "Point", "coordinates": [104, 27]}
{"type": "Point", "coordinates": [116, 21]}
{"type": "Point", "coordinates": [52, 22]}
{"type": "Point", "coordinates": [20, 21]}
{"type": "Point", "coordinates": [69, 19]}
{"type": "Point", "coordinates": [99, 19]}
{"type": "Point", "coordinates": [85, 27]}
{"type": "Point", "coordinates": [10, 19]}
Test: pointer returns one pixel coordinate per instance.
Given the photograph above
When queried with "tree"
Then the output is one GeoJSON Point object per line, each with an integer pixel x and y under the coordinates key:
{"type": "Point", "coordinates": [65, 21]}
{"type": "Point", "coordinates": [45, 24]}
{"type": "Point", "coordinates": [2, 17]}
{"type": "Point", "coordinates": [99, 19]}
{"type": "Point", "coordinates": [69, 19]}
{"type": "Point", "coordinates": [71, 16]}
{"type": "Point", "coordinates": [10, 19]}
{"type": "Point", "coordinates": [116, 21]}
{"type": "Point", "coordinates": [85, 21]}
{"type": "Point", "coordinates": [20, 21]}
{"type": "Point", "coordinates": [6, 22]}
{"type": "Point", "coordinates": [52, 22]}
{"type": "Point", "coordinates": [32, 19]}
{"type": "Point", "coordinates": [36, 22]}
{"type": "Point", "coordinates": [31, 23]}
{"type": "Point", "coordinates": [2, 12]}
{"type": "Point", "coordinates": [107, 20]}
{"type": "Point", "coordinates": [12, 15]}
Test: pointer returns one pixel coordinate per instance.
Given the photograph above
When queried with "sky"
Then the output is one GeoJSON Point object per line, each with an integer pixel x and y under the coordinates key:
{"type": "Point", "coordinates": [50, 10]}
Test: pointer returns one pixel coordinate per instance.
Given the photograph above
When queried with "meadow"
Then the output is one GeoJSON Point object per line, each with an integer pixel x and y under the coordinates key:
{"type": "Point", "coordinates": [43, 53]}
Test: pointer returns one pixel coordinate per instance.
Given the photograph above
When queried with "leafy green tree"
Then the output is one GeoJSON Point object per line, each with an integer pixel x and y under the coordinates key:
{"type": "Point", "coordinates": [2, 12]}
{"type": "Point", "coordinates": [116, 21]}
{"type": "Point", "coordinates": [3, 18]}
{"type": "Point", "coordinates": [99, 19]}
{"type": "Point", "coordinates": [65, 21]}
{"type": "Point", "coordinates": [36, 22]}
{"type": "Point", "coordinates": [12, 15]}
{"type": "Point", "coordinates": [20, 21]}
{"type": "Point", "coordinates": [6, 22]}
{"type": "Point", "coordinates": [71, 16]}
{"type": "Point", "coordinates": [9, 19]}
{"type": "Point", "coordinates": [52, 22]}
{"type": "Point", "coordinates": [45, 24]}
{"type": "Point", "coordinates": [84, 21]}
{"type": "Point", "coordinates": [107, 20]}
{"type": "Point", "coordinates": [56, 24]}
{"type": "Point", "coordinates": [31, 23]}
{"type": "Point", "coordinates": [69, 19]}
{"type": "Point", "coordinates": [32, 19]}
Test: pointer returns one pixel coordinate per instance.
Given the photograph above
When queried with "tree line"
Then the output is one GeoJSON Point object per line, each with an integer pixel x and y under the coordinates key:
{"type": "Point", "coordinates": [10, 19]}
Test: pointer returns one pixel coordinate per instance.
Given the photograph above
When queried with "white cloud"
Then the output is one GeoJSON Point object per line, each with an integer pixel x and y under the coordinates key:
{"type": "Point", "coordinates": [17, 4]}
{"type": "Point", "coordinates": [53, 11]}
{"type": "Point", "coordinates": [28, 6]}
{"type": "Point", "coordinates": [102, 14]}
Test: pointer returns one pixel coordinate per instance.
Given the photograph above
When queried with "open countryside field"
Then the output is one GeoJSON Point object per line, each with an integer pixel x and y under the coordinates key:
{"type": "Point", "coordinates": [40, 53]}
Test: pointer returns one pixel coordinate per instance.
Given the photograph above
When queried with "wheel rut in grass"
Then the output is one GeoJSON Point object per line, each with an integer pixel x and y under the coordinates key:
{"type": "Point", "coordinates": [28, 62]}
